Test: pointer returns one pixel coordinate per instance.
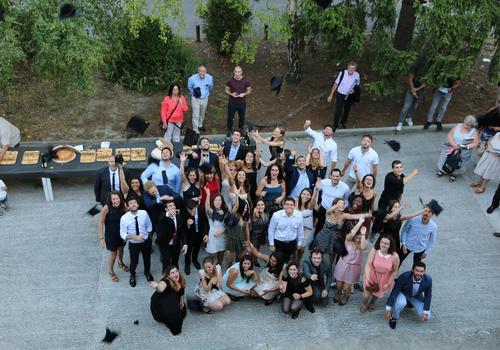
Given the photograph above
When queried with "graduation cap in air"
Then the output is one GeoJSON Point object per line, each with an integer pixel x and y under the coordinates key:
{"type": "Point", "coordinates": [490, 119]}
{"type": "Point", "coordinates": [276, 83]}
{"type": "Point", "coordinates": [109, 336]}
{"type": "Point", "coordinates": [194, 304]}
{"type": "Point", "coordinates": [434, 206]}
{"type": "Point", "coordinates": [323, 3]}
{"type": "Point", "coordinates": [94, 210]}
{"type": "Point", "coordinates": [68, 11]}
{"type": "Point", "coordinates": [136, 322]}
{"type": "Point", "coordinates": [395, 145]}
{"type": "Point", "coordinates": [136, 125]}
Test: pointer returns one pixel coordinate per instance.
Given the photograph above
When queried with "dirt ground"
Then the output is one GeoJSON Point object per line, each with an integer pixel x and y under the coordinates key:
{"type": "Point", "coordinates": [41, 114]}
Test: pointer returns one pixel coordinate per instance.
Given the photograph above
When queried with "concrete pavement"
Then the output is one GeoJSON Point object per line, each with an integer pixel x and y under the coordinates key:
{"type": "Point", "coordinates": [57, 294]}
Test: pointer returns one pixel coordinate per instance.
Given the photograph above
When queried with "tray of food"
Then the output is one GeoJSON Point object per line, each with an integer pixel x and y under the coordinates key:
{"type": "Point", "coordinates": [103, 154]}
{"type": "Point", "coordinates": [30, 157]}
{"type": "Point", "coordinates": [137, 154]}
{"type": "Point", "coordinates": [87, 156]}
{"type": "Point", "coordinates": [9, 158]}
{"type": "Point", "coordinates": [125, 152]}
{"type": "Point", "coordinates": [64, 154]}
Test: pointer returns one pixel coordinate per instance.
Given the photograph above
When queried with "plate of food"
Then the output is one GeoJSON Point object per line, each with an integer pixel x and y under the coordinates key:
{"type": "Point", "coordinates": [137, 154]}
{"type": "Point", "coordinates": [125, 152]}
{"type": "Point", "coordinates": [103, 154]}
{"type": "Point", "coordinates": [9, 158]}
{"type": "Point", "coordinates": [64, 154]}
{"type": "Point", "coordinates": [30, 157]}
{"type": "Point", "coordinates": [87, 156]}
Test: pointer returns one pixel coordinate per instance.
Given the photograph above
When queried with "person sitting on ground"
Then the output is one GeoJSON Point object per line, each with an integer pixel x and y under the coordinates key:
{"type": "Point", "coordinates": [4, 198]}
{"type": "Point", "coordinates": [411, 288]}
{"type": "Point", "coordinates": [209, 287]}
{"type": "Point", "coordinates": [296, 291]}
{"type": "Point", "coordinates": [320, 275]}
{"type": "Point", "coordinates": [240, 279]}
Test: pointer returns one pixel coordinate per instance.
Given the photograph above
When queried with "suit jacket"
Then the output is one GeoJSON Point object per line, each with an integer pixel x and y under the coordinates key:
{"type": "Point", "coordinates": [241, 151]}
{"type": "Point", "coordinates": [293, 174]}
{"type": "Point", "coordinates": [326, 276]}
{"type": "Point", "coordinates": [213, 160]}
{"type": "Point", "coordinates": [166, 231]}
{"type": "Point", "coordinates": [404, 284]}
{"type": "Point", "coordinates": [203, 225]}
{"type": "Point", "coordinates": [102, 184]}
{"type": "Point", "coordinates": [156, 209]}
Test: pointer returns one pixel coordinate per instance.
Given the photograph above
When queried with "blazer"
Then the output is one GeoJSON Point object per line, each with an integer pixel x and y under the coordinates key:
{"type": "Point", "coordinates": [203, 225]}
{"type": "Point", "coordinates": [213, 160]}
{"type": "Point", "coordinates": [156, 209]}
{"type": "Point", "coordinates": [241, 151]}
{"type": "Point", "coordinates": [404, 284]}
{"type": "Point", "coordinates": [166, 231]}
{"type": "Point", "coordinates": [326, 276]}
{"type": "Point", "coordinates": [292, 176]}
{"type": "Point", "coordinates": [102, 184]}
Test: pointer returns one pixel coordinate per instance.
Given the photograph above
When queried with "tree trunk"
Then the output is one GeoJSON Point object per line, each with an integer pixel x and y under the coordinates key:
{"type": "Point", "coordinates": [293, 73]}
{"type": "Point", "coordinates": [406, 25]}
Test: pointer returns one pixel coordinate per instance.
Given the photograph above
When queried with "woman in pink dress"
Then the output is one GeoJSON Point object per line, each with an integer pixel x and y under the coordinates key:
{"type": "Point", "coordinates": [380, 270]}
{"type": "Point", "coordinates": [348, 268]}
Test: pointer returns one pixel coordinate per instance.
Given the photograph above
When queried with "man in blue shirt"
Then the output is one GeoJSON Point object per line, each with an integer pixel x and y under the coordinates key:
{"type": "Point", "coordinates": [418, 236]}
{"type": "Point", "coordinates": [164, 173]}
{"type": "Point", "coordinates": [199, 85]}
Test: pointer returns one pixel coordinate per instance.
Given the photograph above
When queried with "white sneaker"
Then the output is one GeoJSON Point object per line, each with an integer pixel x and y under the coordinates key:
{"type": "Point", "coordinates": [409, 121]}
{"type": "Point", "coordinates": [399, 126]}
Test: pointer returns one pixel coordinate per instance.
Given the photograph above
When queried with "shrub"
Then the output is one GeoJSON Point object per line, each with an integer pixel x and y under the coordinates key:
{"type": "Point", "coordinates": [153, 59]}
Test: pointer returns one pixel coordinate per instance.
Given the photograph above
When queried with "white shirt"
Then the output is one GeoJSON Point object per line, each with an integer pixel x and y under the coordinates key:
{"type": "Point", "coordinates": [330, 191]}
{"type": "Point", "coordinates": [348, 82]}
{"type": "Point", "coordinates": [3, 193]}
{"type": "Point", "coordinates": [327, 146]}
{"type": "Point", "coordinates": [127, 225]}
{"type": "Point", "coordinates": [286, 228]}
{"type": "Point", "coordinates": [117, 180]}
{"type": "Point", "coordinates": [9, 134]}
{"type": "Point", "coordinates": [364, 161]}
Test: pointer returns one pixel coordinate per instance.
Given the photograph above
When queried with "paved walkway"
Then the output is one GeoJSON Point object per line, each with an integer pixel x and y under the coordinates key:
{"type": "Point", "coordinates": [57, 295]}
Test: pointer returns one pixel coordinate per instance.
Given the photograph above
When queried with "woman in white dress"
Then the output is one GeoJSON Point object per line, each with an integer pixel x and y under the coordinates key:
{"type": "Point", "coordinates": [488, 166]}
{"type": "Point", "coordinates": [216, 212]}
{"type": "Point", "coordinates": [305, 204]}
{"type": "Point", "coordinates": [209, 287]}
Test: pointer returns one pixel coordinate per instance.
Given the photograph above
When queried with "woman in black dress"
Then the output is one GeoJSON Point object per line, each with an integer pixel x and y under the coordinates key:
{"type": "Point", "coordinates": [250, 165]}
{"type": "Point", "coordinates": [394, 184]}
{"type": "Point", "coordinates": [167, 302]}
{"type": "Point", "coordinates": [296, 290]}
{"type": "Point", "coordinates": [110, 221]}
{"type": "Point", "coordinates": [191, 184]}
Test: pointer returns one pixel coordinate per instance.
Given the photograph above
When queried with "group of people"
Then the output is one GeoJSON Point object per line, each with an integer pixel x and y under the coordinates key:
{"type": "Point", "coordinates": [317, 226]}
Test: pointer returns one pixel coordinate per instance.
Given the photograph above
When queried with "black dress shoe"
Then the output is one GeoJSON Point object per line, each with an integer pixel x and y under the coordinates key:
{"type": "Point", "coordinates": [132, 281]}
{"type": "Point", "coordinates": [392, 323]}
{"type": "Point", "coordinates": [187, 269]}
{"type": "Point", "coordinates": [343, 125]}
{"type": "Point", "coordinates": [149, 277]}
{"type": "Point", "coordinates": [310, 307]}
{"type": "Point", "coordinates": [439, 126]}
{"type": "Point", "coordinates": [426, 125]}
{"type": "Point", "coordinates": [234, 298]}
{"type": "Point", "coordinates": [490, 210]}
{"type": "Point", "coordinates": [295, 315]}
{"type": "Point", "coordinates": [496, 234]}
{"type": "Point", "coordinates": [197, 264]}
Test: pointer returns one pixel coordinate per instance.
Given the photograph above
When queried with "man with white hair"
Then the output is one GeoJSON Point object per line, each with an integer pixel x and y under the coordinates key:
{"type": "Point", "coordinates": [199, 85]}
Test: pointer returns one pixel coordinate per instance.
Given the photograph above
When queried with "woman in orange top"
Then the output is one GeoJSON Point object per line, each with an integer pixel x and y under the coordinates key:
{"type": "Point", "coordinates": [172, 113]}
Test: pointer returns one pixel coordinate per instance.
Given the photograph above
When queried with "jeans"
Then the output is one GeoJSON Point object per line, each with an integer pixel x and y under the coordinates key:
{"type": "Point", "coordinates": [401, 302]}
{"type": "Point", "coordinates": [410, 105]}
{"type": "Point", "coordinates": [173, 132]}
{"type": "Point", "coordinates": [232, 108]}
{"type": "Point", "coordinates": [439, 98]}
{"type": "Point", "coordinates": [342, 109]}
{"type": "Point", "coordinates": [199, 107]}
{"type": "Point", "coordinates": [316, 297]}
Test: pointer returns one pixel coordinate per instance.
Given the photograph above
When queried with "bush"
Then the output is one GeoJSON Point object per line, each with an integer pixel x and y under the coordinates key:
{"type": "Point", "coordinates": [153, 59]}
{"type": "Point", "coordinates": [227, 26]}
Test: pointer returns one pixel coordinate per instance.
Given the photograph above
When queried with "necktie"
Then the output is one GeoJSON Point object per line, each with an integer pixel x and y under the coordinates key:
{"type": "Point", "coordinates": [113, 183]}
{"type": "Point", "coordinates": [174, 237]}
{"type": "Point", "coordinates": [164, 176]}
{"type": "Point", "coordinates": [136, 226]}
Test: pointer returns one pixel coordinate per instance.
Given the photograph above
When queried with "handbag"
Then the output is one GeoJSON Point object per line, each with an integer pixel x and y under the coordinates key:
{"type": "Point", "coordinates": [372, 289]}
{"type": "Point", "coordinates": [169, 116]}
{"type": "Point", "coordinates": [453, 161]}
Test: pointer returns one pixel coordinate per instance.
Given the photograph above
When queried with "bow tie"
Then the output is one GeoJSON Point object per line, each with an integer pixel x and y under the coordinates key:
{"type": "Point", "coordinates": [418, 282]}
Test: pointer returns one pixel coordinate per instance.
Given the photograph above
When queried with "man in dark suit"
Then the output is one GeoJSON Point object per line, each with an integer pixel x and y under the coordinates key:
{"type": "Point", "coordinates": [171, 237]}
{"type": "Point", "coordinates": [155, 198]}
{"type": "Point", "coordinates": [108, 179]}
{"type": "Point", "coordinates": [234, 150]}
{"type": "Point", "coordinates": [297, 177]}
{"type": "Point", "coordinates": [197, 233]}
{"type": "Point", "coordinates": [413, 289]}
{"type": "Point", "coordinates": [203, 156]}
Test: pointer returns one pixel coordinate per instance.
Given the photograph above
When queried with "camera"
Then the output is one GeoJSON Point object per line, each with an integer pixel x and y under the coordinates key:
{"type": "Point", "coordinates": [119, 159]}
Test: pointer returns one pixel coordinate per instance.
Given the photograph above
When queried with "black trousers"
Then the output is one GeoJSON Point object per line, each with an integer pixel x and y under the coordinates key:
{"type": "Point", "coordinates": [170, 256]}
{"type": "Point", "coordinates": [286, 248]}
{"type": "Point", "coordinates": [194, 246]}
{"type": "Point", "coordinates": [321, 215]}
{"type": "Point", "coordinates": [342, 108]}
{"type": "Point", "coordinates": [232, 108]}
{"type": "Point", "coordinates": [417, 257]}
{"type": "Point", "coordinates": [137, 248]}
{"type": "Point", "coordinates": [495, 202]}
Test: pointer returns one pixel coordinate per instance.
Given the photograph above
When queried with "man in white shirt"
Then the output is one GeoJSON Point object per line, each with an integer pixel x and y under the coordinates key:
{"type": "Point", "coordinates": [365, 158]}
{"type": "Point", "coordinates": [324, 141]}
{"type": "Point", "coordinates": [9, 136]}
{"type": "Point", "coordinates": [331, 189]}
{"type": "Point", "coordinates": [135, 227]}
{"type": "Point", "coordinates": [286, 230]}
{"type": "Point", "coordinates": [344, 86]}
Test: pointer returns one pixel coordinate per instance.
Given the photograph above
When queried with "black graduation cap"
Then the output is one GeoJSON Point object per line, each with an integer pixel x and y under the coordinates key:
{"type": "Point", "coordinates": [94, 210]}
{"type": "Point", "coordinates": [137, 124]}
{"type": "Point", "coordinates": [194, 304]}
{"type": "Point", "coordinates": [110, 336]}
{"type": "Point", "coordinates": [435, 207]}
{"type": "Point", "coordinates": [323, 3]}
{"type": "Point", "coordinates": [136, 322]}
{"type": "Point", "coordinates": [395, 145]}
{"type": "Point", "coordinates": [68, 11]}
{"type": "Point", "coordinates": [276, 83]}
